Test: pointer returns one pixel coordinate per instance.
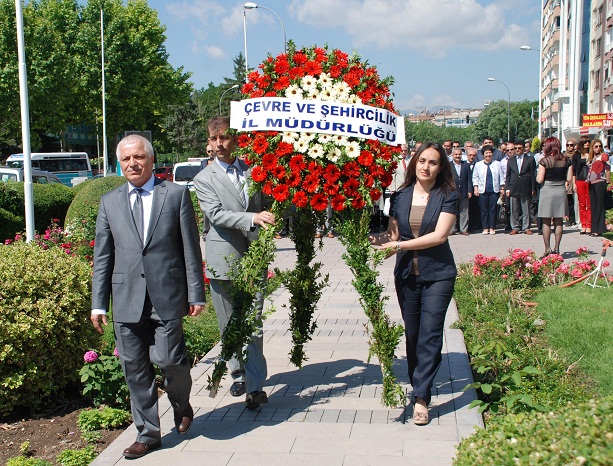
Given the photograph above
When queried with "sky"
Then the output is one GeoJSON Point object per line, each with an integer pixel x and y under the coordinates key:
{"type": "Point", "coordinates": [439, 52]}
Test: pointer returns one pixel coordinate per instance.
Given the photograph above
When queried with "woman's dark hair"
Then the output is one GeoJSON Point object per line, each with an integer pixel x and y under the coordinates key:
{"type": "Point", "coordinates": [552, 148]}
{"type": "Point", "coordinates": [487, 147]}
{"type": "Point", "coordinates": [444, 179]}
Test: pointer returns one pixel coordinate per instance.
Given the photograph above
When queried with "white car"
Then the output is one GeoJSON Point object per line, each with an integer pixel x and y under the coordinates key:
{"type": "Point", "coordinates": [184, 172]}
{"type": "Point", "coordinates": [38, 176]}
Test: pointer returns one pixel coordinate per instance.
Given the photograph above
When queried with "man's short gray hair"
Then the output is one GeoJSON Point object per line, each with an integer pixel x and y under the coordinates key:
{"type": "Point", "coordinates": [135, 139]}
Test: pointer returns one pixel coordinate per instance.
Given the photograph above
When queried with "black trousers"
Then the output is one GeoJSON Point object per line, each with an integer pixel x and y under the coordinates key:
{"type": "Point", "coordinates": [423, 305]}
{"type": "Point", "coordinates": [597, 192]}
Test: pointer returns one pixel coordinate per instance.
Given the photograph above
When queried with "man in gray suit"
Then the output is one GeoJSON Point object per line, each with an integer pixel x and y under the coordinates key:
{"type": "Point", "coordinates": [147, 256]}
{"type": "Point", "coordinates": [234, 217]}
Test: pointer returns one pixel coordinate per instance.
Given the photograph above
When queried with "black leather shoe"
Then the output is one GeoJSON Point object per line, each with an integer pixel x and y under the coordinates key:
{"type": "Point", "coordinates": [139, 449]}
{"type": "Point", "coordinates": [255, 399]}
{"type": "Point", "coordinates": [183, 422]}
{"type": "Point", "coordinates": [238, 389]}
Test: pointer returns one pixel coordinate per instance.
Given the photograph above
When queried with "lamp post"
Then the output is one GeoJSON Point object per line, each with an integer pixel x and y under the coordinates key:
{"type": "Point", "coordinates": [508, 107]}
{"type": "Point", "coordinates": [527, 47]}
{"type": "Point", "coordinates": [224, 93]}
{"type": "Point", "coordinates": [252, 6]}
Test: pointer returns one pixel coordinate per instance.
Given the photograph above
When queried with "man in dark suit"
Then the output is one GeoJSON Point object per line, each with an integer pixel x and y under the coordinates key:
{"type": "Point", "coordinates": [234, 217]}
{"type": "Point", "coordinates": [462, 176]}
{"type": "Point", "coordinates": [474, 211]}
{"type": "Point", "coordinates": [520, 187]}
{"type": "Point", "coordinates": [147, 256]}
{"type": "Point", "coordinates": [496, 155]}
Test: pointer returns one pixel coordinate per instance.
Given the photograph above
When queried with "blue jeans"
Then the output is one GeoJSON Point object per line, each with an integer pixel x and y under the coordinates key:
{"type": "Point", "coordinates": [487, 203]}
{"type": "Point", "coordinates": [423, 305]}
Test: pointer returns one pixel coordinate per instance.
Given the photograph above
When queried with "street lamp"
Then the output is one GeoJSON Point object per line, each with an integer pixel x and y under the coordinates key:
{"type": "Point", "coordinates": [252, 6]}
{"type": "Point", "coordinates": [224, 93]}
{"type": "Point", "coordinates": [508, 107]}
{"type": "Point", "coordinates": [527, 47]}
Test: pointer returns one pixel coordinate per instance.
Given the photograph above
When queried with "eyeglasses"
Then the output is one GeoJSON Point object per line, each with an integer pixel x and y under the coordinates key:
{"type": "Point", "coordinates": [519, 148]}
{"type": "Point", "coordinates": [569, 145]}
{"type": "Point", "coordinates": [597, 145]}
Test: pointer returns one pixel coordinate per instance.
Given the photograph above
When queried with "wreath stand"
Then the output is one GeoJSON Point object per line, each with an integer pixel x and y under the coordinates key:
{"type": "Point", "coordinates": [598, 272]}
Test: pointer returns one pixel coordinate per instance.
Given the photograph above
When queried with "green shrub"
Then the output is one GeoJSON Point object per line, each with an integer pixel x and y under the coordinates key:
{"type": "Point", "coordinates": [81, 457]}
{"type": "Point", "coordinates": [45, 327]}
{"type": "Point", "coordinates": [201, 332]}
{"type": "Point", "coordinates": [103, 381]}
{"type": "Point", "coordinates": [574, 434]}
{"type": "Point", "coordinates": [50, 201]}
{"type": "Point", "coordinates": [104, 418]}
{"type": "Point", "coordinates": [82, 213]}
{"type": "Point", "coordinates": [23, 461]}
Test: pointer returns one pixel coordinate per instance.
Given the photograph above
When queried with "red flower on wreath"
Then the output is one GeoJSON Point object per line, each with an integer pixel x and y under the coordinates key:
{"type": "Point", "coordinates": [310, 170]}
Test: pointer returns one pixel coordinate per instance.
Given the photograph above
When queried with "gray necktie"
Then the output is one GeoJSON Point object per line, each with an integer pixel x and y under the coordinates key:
{"type": "Point", "coordinates": [137, 213]}
{"type": "Point", "coordinates": [233, 172]}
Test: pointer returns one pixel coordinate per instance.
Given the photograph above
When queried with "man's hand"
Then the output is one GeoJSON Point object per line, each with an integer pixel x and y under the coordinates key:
{"type": "Point", "coordinates": [195, 310]}
{"type": "Point", "coordinates": [508, 193]}
{"type": "Point", "coordinates": [264, 219]}
{"type": "Point", "coordinates": [97, 319]}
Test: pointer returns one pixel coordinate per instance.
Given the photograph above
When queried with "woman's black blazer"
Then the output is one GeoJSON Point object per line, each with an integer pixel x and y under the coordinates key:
{"type": "Point", "coordinates": [435, 263]}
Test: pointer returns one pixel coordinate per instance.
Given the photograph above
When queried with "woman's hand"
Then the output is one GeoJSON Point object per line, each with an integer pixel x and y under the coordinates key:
{"type": "Point", "coordinates": [390, 248]}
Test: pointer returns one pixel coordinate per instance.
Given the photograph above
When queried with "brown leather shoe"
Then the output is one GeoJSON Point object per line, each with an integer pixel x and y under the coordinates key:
{"type": "Point", "coordinates": [183, 422]}
{"type": "Point", "coordinates": [465, 233]}
{"type": "Point", "coordinates": [255, 398]}
{"type": "Point", "coordinates": [318, 235]}
{"type": "Point", "coordinates": [330, 234]}
{"type": "Point", "coordinates": [513, 232]}
{"type": "Point", "coordinates": [139, 449]}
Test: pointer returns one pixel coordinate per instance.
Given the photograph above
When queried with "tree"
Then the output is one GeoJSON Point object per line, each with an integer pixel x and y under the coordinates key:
{"type": "Point", "coordinates": [141, 86]}
{"type": "Point", "coordinates": [493, 121]}
{"type": "Point", "coordinates": [185, 128]}
{"type": "Point", "coordinates": [427, 131]}
{"type": "Point", "coordinates": [63, 55]}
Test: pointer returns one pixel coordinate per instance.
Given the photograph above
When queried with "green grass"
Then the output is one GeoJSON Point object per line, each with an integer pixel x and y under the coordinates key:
{"type": "Point", "coordinates": [580, 324]}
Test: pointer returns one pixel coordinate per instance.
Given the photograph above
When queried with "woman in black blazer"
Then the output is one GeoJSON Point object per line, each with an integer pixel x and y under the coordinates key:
{"type": "Point", "coordinates": [422, 214]}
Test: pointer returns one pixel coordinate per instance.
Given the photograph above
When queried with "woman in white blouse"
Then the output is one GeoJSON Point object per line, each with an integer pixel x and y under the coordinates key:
{"type": "Point", "coordinates": [489, 187]}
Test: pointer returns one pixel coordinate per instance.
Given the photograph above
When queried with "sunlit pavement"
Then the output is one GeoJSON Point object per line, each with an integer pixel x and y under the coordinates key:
{"type": "Point", "coordinates": [329, 412]}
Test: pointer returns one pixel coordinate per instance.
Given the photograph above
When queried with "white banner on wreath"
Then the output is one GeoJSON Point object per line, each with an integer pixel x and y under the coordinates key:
{"type": "Point", "coordinates": [317, 116]}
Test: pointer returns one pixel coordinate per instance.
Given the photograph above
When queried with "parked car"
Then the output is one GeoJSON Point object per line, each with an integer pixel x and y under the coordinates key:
{"type": "Point", "coordinates": [17, 174]}
{"type": "Point", "coordinates": [163, 173]}
{"type": "Point", "coordinates": [183, 173]}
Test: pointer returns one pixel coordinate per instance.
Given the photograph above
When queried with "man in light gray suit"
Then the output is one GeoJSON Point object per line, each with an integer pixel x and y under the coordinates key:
{"type": "Point", "coordinates": [147, 256]}
{"type": "Point", "coordinates": [234, 217]}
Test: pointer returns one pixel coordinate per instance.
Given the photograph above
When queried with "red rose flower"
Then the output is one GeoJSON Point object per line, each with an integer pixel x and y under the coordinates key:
{"type": "Point", "coordinates": [338, 202]}
{"type": "Point", "coordinates": [297, 163]}
{"type": "Point", "coordinates": [280, 193]}
{"type": "Point", "coordinates": [260, 144]}
{"type": "Point", "coordinates": [270, 161]}
{"type": "Point", "coordinates": [319, 202]}
{"type": "Point", "coordinates": [310, 183]}
{"type": "Point", "coordinates": [293, 179]}
{"type": "Point", "coordinates": [258, 174]}
{"type": "Point", "coordinates": [300, 199]}
{"type": "Point", "coordinates": [358, 202]}
{"type": "Point", "coordinates": [365, 158]}
{"type": "Point", "coordinates": [279, 172]}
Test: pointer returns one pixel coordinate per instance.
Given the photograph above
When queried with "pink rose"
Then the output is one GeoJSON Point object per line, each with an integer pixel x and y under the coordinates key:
{"type": "Point", "coordinates": [116, 353]}
{"type": "Point", "coordinates": [90, 356]}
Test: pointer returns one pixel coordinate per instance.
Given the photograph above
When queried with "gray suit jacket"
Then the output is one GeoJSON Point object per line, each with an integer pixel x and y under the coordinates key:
{"type": "Point", "coordinates": [168, 265]}
{"type": "Point", "coordinates": [231, 232]}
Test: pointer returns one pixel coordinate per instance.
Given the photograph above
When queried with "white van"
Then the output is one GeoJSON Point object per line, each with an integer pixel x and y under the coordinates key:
{"type": "Point", "coordinates": [184, 172]}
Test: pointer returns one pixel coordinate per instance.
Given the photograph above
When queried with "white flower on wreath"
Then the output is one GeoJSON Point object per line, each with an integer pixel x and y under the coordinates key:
{"type": "Point", "coordinates": [352, 149]}
{"type": "Point", "coordinates": [316, 151]}
{"type": "Point", "coordinates": [354, 99]}
{"type": "Point", "coordinates": [313, 94]}
{"type": "Point", "coordinates": [308, 83]}
{"type": "Point", "coordinates": [340, 140]}
{"type": "Point", "coordinates": [325, 81]}
{"type": "Point", "coordinates": [324, 137]}
{"type": "Point", "coordinates": [290, 137]}
{"type": "Point", "coordinates": [301, 145]}
{"type": "Point", "coordinates": [341, 90]}
{"type": "Point", "coordinates": [308, 137]}
{"type": "Point", "coordinates": [334, 154]}
{"type": "Point", "coordinates": [327, 94]}
{"type": "Point", "coordinates": [293, 92]}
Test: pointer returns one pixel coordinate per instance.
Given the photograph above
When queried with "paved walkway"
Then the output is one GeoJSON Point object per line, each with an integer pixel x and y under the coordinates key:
{"type": "Point", "coordinates": [329, 413]}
